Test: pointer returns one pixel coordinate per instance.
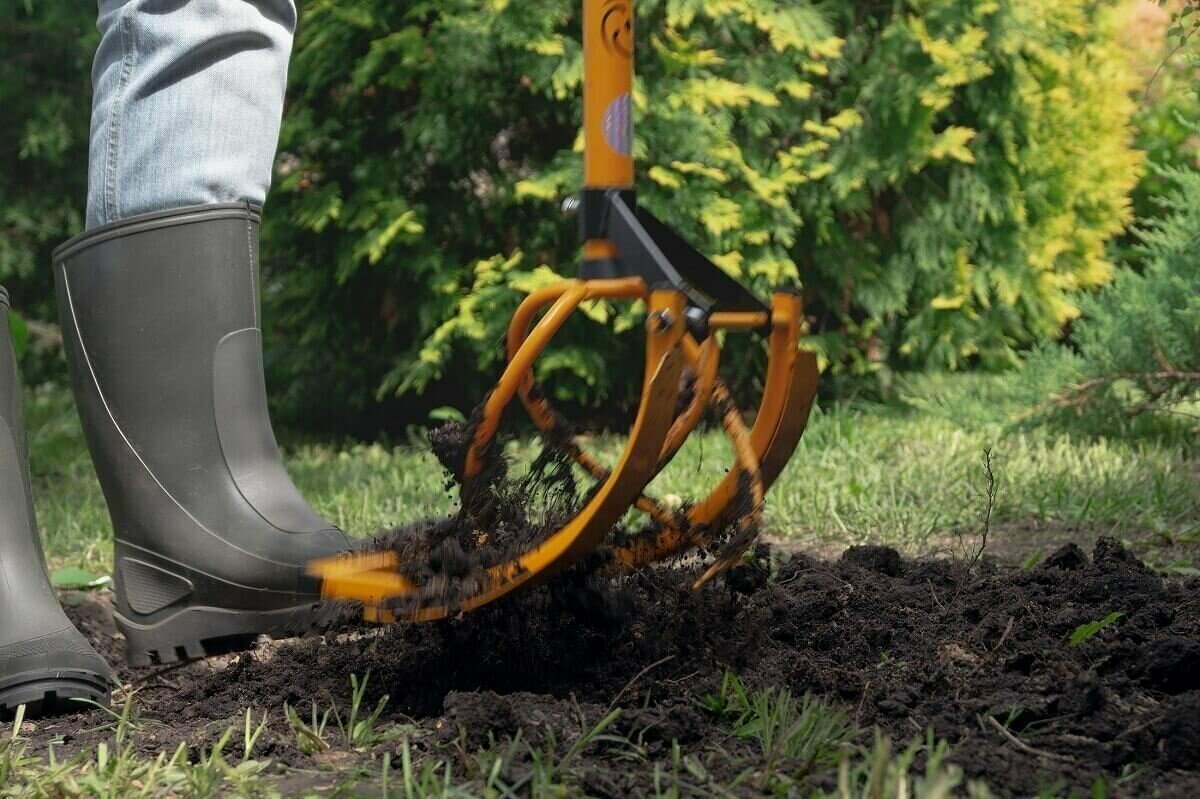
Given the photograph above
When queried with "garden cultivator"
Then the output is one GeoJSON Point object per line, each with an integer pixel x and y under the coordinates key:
{"type": "Point", "coordinates": [628, 255]}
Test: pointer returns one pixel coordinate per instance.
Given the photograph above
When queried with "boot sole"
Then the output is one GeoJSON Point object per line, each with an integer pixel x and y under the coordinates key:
{"type": "Point", "coordinates": [200, 632]}
{"type": "Point", "coordinates": [51, 692]}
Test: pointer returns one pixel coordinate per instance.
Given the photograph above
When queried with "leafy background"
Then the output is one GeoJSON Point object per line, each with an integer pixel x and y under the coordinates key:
{"type": "Point", "coordinates": [948, 180]}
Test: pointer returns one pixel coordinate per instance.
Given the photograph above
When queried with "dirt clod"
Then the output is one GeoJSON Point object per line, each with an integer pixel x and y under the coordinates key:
{"type": "Point", "coordinates": [1067, 557]}
{"type": "Point", "coordinates": [883, 560]}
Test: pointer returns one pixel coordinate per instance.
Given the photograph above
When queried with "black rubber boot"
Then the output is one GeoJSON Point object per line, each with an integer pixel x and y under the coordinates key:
{"type": "Point", "coordinates": [44, 661]}
{"type": "Point", "coordinates": [160, 324]}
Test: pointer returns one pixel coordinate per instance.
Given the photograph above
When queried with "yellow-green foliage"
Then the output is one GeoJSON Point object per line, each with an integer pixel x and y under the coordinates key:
{"type": "Point", "coordinates": [939, 175]}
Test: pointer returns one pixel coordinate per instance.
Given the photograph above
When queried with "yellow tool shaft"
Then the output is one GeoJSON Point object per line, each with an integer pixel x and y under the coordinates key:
{"type": "Point", "coordinates": [607, 103]}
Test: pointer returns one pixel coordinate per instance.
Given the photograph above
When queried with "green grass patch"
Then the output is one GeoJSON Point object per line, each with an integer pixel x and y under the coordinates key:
{"type": "Point", "coordinates": [799, 746]}
{"type": "Point", "coordinates": [115, 767]}
{"type": "Point", "coordinates": [907, 474]}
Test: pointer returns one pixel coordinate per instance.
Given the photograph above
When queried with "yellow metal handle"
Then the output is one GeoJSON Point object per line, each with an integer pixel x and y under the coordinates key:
{"type": "Point", "coordinates": [607, 103]}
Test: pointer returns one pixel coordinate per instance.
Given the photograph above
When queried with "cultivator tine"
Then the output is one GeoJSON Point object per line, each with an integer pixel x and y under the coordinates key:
{"type": "Point", "coordinates": [702, 360]}
{"type": "Point", "coordinates": [794, 419]}
{"type": "Point", "coordinates": [749, 499]}
{"type": "Point", "coordinates": [762, 452]}
{"type": "Point", "coordinates": [790, 389]}
{"type": "Point", "coordinates": [446, 568]}
{"type": "Point", "coordinates": [366, 577]}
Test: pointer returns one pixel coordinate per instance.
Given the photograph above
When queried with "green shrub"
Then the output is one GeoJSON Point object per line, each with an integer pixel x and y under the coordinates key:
{"type": "Point", "coordinates": [45, 96]}
{"type": "Point", "coordinates": [1137, 348]}
{"type": "Point", "coordinates": [1167, 58]}
{"type": "Point", "coordinates": [939, 175]}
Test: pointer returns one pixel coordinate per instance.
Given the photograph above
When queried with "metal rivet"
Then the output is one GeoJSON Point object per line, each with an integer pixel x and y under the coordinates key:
{"type": "Point", "coordinates": [659, 321]}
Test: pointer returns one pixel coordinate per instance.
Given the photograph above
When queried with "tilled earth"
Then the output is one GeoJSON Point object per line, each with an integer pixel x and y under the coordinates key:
{"type": "Point", "coordinates": [981, 657]}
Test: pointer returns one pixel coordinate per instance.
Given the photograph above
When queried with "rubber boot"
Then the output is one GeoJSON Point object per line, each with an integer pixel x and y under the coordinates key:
{"type": "Point", "coordinates": [161, 329]}
{"type": "Point", "coordinates": [44, 661]}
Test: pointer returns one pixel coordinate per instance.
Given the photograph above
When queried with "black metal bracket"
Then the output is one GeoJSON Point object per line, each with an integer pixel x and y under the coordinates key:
{"type": "Point", "coordinates": [594, 209]}
{"type": "Point", "coordinates": [651, 250]}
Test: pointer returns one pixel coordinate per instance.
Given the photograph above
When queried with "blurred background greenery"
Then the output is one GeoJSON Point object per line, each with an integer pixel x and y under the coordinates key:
{"type": "Point", "coordinates": [953, 182]}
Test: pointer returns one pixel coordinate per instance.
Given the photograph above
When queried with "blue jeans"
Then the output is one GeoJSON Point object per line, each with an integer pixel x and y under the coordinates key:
{"type": "Point", "coordinates": [187, 100]}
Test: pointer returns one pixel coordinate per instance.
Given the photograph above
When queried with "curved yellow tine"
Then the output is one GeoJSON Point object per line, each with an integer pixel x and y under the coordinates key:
{"type": "Point", "coordinates": [374, 579]}
{"type": "Point", "coordinates": [794, 419]}
{"type": "Point", "coordinates": [703, 358]}
{"type": "Point", "coordinates": [747, 470]}
{"type": "Point", "coordinates": [788, 395]}
{"type": "Point", "coordinates": [635, 468]}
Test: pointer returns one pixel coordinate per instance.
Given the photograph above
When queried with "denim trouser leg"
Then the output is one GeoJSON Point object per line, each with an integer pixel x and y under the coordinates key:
{"type": "Point", "coordinates": [188, 96]}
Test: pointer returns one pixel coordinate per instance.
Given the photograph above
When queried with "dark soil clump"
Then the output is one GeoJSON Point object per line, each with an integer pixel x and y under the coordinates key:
{"type": "Point", "coordinates": [983, 659]}
{"type": "Point", "coordinates": [500, 517]}
{"type": "Point", "coordinates": [884, 560]}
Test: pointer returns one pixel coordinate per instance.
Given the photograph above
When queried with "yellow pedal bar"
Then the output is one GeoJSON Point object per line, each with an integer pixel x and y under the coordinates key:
{"type": "Point", "coordinates": [368, 577]}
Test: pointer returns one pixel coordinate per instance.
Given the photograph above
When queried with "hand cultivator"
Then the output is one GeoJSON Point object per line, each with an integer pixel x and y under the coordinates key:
{"type": "Point", "coordinates": [628, 255]}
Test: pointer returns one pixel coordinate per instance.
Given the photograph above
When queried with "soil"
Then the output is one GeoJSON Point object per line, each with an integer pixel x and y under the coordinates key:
{"type": "Point", "coordinates": [983, 659]}
{"type": "Point", "coordinates": [502, 516]}
{"type": "Point", "coordinates": [449, 557]}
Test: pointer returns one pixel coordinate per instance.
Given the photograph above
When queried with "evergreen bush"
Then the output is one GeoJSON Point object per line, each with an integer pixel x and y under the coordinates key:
{"type": "Point", "coordinates": [45, 61]}
{"type": "Point", "coordinates": [1162, 40]}
{"type": "Point", "coordinates": [1136, 349]}
{"type": "Point", "coordinates": [940, 175]}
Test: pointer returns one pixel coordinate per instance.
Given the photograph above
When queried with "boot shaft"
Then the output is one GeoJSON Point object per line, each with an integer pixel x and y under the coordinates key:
{"type": "Point", "coordinates": [160, 326]}
{"type": "Point", "coordinates": [160, 323]}
{"type": "Point", "coordinates": [16, 505]}
{"type": "Point", "coordinates": [23, 580]}
{"type": "Point", "coordinates": [161, 330]}
{"type": "Point", "coordinates": [44, 661]}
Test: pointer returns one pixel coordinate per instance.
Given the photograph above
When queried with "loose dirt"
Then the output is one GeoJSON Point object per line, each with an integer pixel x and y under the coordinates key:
{"type": "Point", "coordinates": [983, 659]}
{"type": "Point", "coordinates": [503, 515]}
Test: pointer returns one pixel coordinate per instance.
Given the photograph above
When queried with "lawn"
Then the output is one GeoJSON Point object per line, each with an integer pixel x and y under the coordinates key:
{"type": "Point", "coordinates": [907, 474]}
{"type": "Point", "coordinates": [699, 694]}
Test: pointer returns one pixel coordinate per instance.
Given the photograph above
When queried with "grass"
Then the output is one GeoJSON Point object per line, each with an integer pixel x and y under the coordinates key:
{"type": "Point", "coordinates": [810, 734]}
{"type": "Point", "coordinates": [115, 768]}
{"type": "Point", "coordinates": [792, 740]}
{"type": "Point", "coordinates": [907, 474]}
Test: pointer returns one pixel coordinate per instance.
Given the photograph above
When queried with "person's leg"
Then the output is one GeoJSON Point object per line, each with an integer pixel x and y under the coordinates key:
{"type": "Point", "coordinates": [159, 307]}
{"type": "Point", "coordinates": [187, 101]}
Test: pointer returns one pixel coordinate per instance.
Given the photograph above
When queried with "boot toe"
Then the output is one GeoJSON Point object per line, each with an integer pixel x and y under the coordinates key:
{"type": "Point", "coordinates": [52, 674]}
